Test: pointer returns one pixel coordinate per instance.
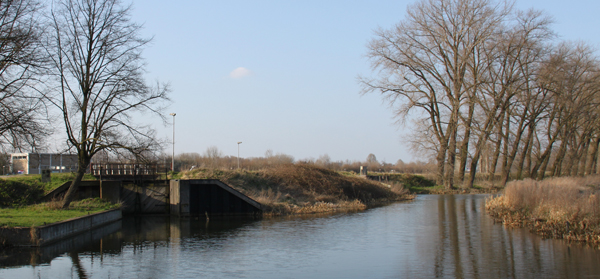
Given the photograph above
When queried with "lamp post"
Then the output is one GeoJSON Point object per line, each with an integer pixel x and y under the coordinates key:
{"type": "Point", "coordinates": [173, 156]}
{"type": "Point", "coordinates": [239, 154]}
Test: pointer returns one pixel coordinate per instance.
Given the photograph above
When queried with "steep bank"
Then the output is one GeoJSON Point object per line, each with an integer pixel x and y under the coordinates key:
{"type": "Point", "coordinates": [303, 188]}
{"type": "Point", "coordinates": [564, 208]}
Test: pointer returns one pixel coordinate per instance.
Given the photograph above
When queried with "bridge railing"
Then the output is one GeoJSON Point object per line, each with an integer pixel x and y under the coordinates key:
{"type": "Point", "coordinates": [127, 169]}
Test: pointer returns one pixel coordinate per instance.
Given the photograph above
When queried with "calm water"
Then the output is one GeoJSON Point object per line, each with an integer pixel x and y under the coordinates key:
{"type": "Point", "coordinates": [433, 236]}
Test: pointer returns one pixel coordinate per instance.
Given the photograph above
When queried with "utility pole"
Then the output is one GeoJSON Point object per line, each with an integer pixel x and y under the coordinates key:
{"type": "Point", "coordinates": [239, 154]}
{"type": "Point", "coordinates": [173, 156]}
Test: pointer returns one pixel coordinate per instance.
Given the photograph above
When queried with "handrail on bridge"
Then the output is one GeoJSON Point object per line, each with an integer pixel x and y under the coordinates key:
{"type": "Point", "coordinates": [126, 169]}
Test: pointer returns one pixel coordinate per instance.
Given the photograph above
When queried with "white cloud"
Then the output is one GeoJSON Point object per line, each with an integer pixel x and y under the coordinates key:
{"type": "Point", "coordinates": [240, 72]}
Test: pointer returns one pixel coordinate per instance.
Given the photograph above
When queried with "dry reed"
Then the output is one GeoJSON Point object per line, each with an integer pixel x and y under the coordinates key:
{"type": "Point", "coordinates": [567, 207]}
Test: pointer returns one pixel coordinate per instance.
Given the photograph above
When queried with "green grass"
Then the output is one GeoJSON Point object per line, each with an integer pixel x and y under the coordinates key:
{"type": "Point", "coordinates": [426, 189]}
{"type": "Point", "coordinates": [414, 183]}
{"type": "Point", "coordinates": [56, 179]}
{"type": "Point", "coordinates": [47, 213]}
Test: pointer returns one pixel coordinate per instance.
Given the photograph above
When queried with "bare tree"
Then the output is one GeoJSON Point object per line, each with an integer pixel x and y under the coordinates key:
{"type": "Point", "coordinates": [21, 106]}
{"type": "Point", "coordinates": [427, 63]}
{"type": "Point", "coordinates": [96, 57]}
{"type": "Point", "coordinates": [213, 155]}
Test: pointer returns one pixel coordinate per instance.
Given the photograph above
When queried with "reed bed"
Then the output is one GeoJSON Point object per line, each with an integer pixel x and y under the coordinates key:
{"type": "Point", "coordinates": [567, 208]}
{"type": "Point", "coordinates": [305, 188]}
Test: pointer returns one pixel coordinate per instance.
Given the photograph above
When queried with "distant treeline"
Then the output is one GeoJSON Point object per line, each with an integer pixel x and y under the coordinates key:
{"type": "Point", "coordinates": [213, 158]}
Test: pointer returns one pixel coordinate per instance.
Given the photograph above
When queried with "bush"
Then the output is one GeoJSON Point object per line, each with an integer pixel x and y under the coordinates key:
{"type": "Point", "coordinates": [14, 193]}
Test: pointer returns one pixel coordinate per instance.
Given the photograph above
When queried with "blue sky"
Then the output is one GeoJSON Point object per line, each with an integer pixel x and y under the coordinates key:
{"type": "Point", "coordinates": [282, 75]}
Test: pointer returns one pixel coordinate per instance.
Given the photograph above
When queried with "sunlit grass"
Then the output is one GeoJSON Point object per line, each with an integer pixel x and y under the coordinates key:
{"type": "Point", "coordinates": [56, 179]}
{"type": "Point", "coordinates": [47, 213]}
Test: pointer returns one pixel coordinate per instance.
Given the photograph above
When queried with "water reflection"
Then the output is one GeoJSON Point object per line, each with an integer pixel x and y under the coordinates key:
{"type": "Point", "coordinates": [466, 243]}
{"type": "Point", "coordinates": [433, 236]}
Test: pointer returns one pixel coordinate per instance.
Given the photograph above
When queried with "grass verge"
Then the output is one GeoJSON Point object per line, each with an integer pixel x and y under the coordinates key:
{"type": "Point", "coordinates": [563, 208]}
{"type": "Point", "coordinates": [47, 213]}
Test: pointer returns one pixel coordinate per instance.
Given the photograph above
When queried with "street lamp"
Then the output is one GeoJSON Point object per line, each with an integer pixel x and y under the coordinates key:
{"type": "Point", "coordinates": [239, 154]}
{"type": "Point", "coordinates": [173, 157]}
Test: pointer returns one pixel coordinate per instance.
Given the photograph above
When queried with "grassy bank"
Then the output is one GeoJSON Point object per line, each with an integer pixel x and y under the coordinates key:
{"type": "Point", "coordinates": [20, 190]}
{"type": "Point", "coordinates": [303, 188]}
{"type": "Point", "coordinates": [567, 208]}
{"type": "Point", "coordinates": [47, 213]}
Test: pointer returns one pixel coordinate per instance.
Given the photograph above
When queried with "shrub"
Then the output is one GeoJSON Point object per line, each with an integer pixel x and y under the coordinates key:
{"type": "Point", "coordinates": [14, 193]}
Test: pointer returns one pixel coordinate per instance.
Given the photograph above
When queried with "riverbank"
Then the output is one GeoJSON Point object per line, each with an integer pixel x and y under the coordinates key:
{"type": "Point", "coordinates": [425, 184]}
{"type": "Point", "coordinates": [26, 189]}
{"type": "Point", "coordinates": [562, 208]}
{"type": "Point", "coordinates": [305, 189]}
{"type": "Point", "coordinates": [42, 223]}
{"type": "Point", "coordinates": [50, 212]}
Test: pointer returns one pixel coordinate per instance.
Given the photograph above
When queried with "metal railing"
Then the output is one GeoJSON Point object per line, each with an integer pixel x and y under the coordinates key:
{"type": "Point", "coordinates": [127, 170]}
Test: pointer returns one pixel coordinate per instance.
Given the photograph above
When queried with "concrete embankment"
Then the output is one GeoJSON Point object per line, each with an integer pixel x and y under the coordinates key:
{"type": "Point", "coordinates": [42, 235]}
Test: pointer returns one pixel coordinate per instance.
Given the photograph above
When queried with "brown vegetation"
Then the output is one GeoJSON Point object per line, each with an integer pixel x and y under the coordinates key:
{"type": "Point", "coordinates": [567, 208]}
{"type": "Point", "coordinates": [304, 188]}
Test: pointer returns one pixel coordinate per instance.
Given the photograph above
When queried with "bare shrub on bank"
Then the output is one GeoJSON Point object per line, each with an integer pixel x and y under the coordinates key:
{"type": "Point", "coordinates": [567, 207]}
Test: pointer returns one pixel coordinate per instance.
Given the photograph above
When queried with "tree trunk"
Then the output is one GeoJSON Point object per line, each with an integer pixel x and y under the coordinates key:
{"type": "Point", "coordinates": [513, 152]}
{"type": "Point", "coordinates": [70, 195]}
{"type": "Point", "coordinates": [557, 167]}
{"type": "Point", "coordinates": [473, 171]}
{"type": "Point", "coordinates": [526, 150]}
{"type": "Point", "coordinates": [464, 147]}
{"type": "Point", "coordinates": [542, 171]}
{"type": "Point", "coordinates": [496, 155]}
{"type": "Point", "coordinates": [441, 161]}
{"type": "Point", "coordinates": [591, 156]}
{"type": "Point", "coordinates": [449, 179]}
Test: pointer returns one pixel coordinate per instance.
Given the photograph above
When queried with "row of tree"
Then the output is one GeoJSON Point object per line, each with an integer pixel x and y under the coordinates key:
{"type": "Point", "coordinates": [77, 62]}
{"type": "Point", "coordinates": [490, 89]}
{"type": "Point", "coordinates": [213, 158]}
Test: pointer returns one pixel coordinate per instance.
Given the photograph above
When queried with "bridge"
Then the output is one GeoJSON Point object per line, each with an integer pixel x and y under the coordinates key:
{"type": "Point", "coordinates": [144, 189]}
{"type": "Point", "coordinates": [128, 171]}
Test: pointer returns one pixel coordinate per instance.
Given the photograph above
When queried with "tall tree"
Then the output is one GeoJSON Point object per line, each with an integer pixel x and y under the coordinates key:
{"type": "Point", "coordinates": [426, 63]}
{"type": "Point", "coordinates": [96, 56]}
{"type": "Point", "coordinates": [21, 105]}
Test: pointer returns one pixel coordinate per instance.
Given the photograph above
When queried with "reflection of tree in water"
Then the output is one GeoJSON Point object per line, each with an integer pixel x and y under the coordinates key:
{"type": "Point", "coordinates": [467, 244]}
{"type": "Point", "coordinates": [77, 264]}
{"type": "Point", "coordinates": [448, 237]}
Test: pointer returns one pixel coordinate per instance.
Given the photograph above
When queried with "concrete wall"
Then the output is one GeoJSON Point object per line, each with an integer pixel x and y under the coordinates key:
{"type": "Point", "coordinates": [180, 197]}
{"type": "Point", "coordinates": [209, 196]}
{"type": "Point", "coordinates": [43, 235]}
{"type": "Point", "coordinates": [19, 256]}
{"type": "Point", "coordinates": [110, 191]}
{"type": "Point", "coordinates": [56, 231]}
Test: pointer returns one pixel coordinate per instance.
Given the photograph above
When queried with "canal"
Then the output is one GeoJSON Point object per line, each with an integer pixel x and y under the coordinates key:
{"type": "Point", "coordinates": [443, 236]}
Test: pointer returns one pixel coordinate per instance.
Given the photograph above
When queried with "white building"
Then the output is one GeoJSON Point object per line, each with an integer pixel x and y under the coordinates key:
{"type": "Point", "coordinates": [34, 163]}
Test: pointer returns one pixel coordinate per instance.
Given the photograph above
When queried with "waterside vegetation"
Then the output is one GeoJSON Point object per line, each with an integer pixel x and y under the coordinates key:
{"type": "Point", "coordinates": [564, 208]}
